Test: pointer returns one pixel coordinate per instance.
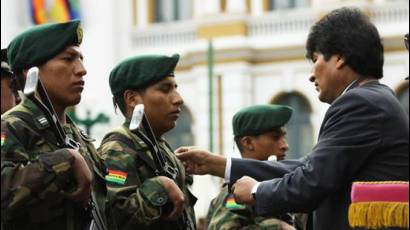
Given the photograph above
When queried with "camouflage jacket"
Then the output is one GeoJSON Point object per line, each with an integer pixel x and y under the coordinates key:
{"type": "Point", "coordinates": [225, 214]}
{"type": "Point", "coordinates": [136, 198]}
{"type": "Point", "coordinates": [35, 173]}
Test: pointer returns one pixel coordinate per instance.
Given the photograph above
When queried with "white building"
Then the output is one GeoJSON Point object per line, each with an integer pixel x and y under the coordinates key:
{"type": "Point", "coordinates": [259, 58]}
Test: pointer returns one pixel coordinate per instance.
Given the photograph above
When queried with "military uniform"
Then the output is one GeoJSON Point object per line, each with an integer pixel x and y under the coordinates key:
{"type": "Point", "coordinates": [34, 171]}
{"type": "Point", "coordinates": [225, 214]}
{"type": "Point", "coordinates": [137, 199]}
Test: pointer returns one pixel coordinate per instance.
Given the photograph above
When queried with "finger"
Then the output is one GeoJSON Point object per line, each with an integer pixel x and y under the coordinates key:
{"type": "Point", "coordinates": [174, 215]}
{"type": "Point", "coordinates": [184, 156]}
{"type": "Point", "coordinates": [182, 149]}
{"type": "Point", "coordinates": [235, 197]}
{"type": "Point", "coordinates": [80, 194]}
{"type": "Point", "coordinates": [176, 212]}
{"type": "Point", "coordinates": [233, 187]}
{"type": "Point", "coordinates": [74, 196]}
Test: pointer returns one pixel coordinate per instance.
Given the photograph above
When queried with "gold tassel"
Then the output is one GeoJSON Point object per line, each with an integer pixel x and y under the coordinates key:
{"type": "Point", "coordinates": [375, 215]}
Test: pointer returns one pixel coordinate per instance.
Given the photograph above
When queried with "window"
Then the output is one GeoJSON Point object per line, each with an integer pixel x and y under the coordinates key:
{"type": "Point", "coordinates": [181, 135]}
{"type": "Point", "coordinates": [287, 4]}
{"type": "Point", "coordinates": [299, 128]}
{"type": "Point", "coordinates": [172, 10]}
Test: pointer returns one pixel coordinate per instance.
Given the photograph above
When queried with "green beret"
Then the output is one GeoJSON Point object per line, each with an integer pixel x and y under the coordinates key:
{"type": "Point", "coordinates": [39, 44]}
{"type": "Point", "coordinates": [140, 72]}
{"type": "Point", "coordinates": [5, 68]}
{"type": "Point", "coordinates": [258, 119]}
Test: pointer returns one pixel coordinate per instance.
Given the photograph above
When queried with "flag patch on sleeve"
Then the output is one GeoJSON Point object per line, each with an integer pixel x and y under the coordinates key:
{"type": "Point", "coordinates": [116, 176]}
{"type": "Point", "coordinates": [232, 205]}
{"type": "Point", "coordinates": [3, 138]}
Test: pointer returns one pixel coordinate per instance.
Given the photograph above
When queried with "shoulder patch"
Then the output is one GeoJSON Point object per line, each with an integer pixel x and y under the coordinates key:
{"type": "Point", "coordinates": [116, 176]}
{"type": "Point", "coordinates": [231, 204]}
{"type": "Point", "coordinates": [42, 121]}
{"type": "Point", "coordinates": [3, 138]}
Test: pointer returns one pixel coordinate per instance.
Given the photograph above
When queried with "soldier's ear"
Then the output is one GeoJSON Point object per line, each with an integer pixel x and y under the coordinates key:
{"type": "Point", "coordinates": [132, 98]}
{"type": "Point", "coordinates": [247, 143]}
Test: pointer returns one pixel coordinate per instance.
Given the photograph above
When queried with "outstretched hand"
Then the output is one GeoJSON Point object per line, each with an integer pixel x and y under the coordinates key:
{"type": "Point", "coordinates": [201, 162]}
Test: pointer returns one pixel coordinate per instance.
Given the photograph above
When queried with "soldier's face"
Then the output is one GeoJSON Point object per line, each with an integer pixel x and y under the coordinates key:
{"type": "Point", "coordinates": [268, 144]}
{"type": "Point", "coordinates": [62, 77]}
{"type": "Point", "coordinates": [162, 104]}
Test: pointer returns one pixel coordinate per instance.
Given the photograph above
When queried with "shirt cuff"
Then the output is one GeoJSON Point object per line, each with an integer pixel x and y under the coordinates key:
{"type": "Point", "coordinates": [228, 169]}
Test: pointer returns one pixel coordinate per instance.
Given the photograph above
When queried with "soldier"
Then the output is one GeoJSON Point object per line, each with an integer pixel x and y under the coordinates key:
{"type": "Point", "coordinates": [259, 133]}
{"type": "Point", "coordinates": [44, 183]}
{"type": "Point", "coordinates": [139, 195]}
{"type": "Point", "coordinates": [8, 99]}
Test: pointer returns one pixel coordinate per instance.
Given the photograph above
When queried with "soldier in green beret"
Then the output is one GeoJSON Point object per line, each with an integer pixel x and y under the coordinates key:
{"type": "Point", "coordinates": [259, 134]}
{"type": "Point", "coordinates": [139, 195]}
{"type": "Point", "coordinates": [8, 92]}
{"type": "Point", "coordinates": [44, 184]}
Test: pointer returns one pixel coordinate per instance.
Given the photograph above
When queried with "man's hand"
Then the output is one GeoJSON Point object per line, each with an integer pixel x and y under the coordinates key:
{"type": "Point", "coordinates": [242, 190]}
{"type": "Point", "coordinates": [201, 162]}
{"type": "Point", "coordinates": [286, 226]}
{"type": "Point", "coordinates": [83, 178]}
{"type": "Point", "coordinates": [176, 196]}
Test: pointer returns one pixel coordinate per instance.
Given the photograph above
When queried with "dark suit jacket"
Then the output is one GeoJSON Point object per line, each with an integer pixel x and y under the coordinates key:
{"type": "Point", "coordinates": [364, 137]}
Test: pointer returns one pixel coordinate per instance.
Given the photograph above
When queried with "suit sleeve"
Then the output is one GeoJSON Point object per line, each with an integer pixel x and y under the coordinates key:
{"type": "Point", "coordinates": [27, 176]}
{"type": "Point", "coordinates": [350, 133]}
{"type": "Point", "coordinates": [132, 198]}
{"type": "Point", "coordinates": [262, 170]}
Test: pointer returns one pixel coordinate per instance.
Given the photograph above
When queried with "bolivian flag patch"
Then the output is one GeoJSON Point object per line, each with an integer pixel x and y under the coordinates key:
{"type": "Point", "coordinates": [232, 205]}
{"type": "Point", "coordinates": [3, 139]}
{"type": "Point", "coordinates": [116, 176]}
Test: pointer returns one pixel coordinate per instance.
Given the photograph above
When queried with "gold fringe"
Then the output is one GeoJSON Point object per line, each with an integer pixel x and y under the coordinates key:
{"type": "Point", "coordinates": [375, 215]}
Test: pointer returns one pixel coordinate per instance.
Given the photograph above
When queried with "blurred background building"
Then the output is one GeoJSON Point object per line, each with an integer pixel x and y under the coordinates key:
{"type": "Point", "coordinates": [234, 53]}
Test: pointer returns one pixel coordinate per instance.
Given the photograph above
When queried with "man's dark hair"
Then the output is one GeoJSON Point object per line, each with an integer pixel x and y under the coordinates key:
{"type": "Point", "coordinates": [348, 32]}
{"type": "Point", "coordinates": [238, 143]}
{"type": "Point", "coordinates": [119, 103]}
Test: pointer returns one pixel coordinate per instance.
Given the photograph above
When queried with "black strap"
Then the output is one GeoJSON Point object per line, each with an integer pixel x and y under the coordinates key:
{"type": "Point", "coordinates": [41, 128]}
{"type": "Point", "coordinates": [142, 155]}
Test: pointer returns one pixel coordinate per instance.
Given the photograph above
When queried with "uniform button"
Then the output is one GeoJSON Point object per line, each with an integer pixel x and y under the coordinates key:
{"type": "Point", "coordinates": [160, 200]}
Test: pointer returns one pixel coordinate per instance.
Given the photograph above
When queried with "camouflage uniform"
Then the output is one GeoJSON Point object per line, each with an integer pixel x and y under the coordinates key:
{"type": "Point", "coordinates": [222, 216]}
{"type": "Point", "coordinates": [34, 172]}
{"type": "Point", "coordinates": [138, 200]}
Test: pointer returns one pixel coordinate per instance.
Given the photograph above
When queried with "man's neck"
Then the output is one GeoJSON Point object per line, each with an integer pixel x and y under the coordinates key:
{"type": "Point", "coordinates": [60, 112]}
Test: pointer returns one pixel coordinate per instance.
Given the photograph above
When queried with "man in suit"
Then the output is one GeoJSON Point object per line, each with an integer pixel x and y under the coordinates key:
{"type": "Point", "coordinates": [364, 135]}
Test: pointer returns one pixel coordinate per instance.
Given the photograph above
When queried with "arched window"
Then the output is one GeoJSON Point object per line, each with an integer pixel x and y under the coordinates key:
{"type": "Point", "coordinates": [299, 128]}
{"type": "Point", "coordinates": [172, 10]}
{"type": "Point", "coordinates": [181, 135]}
{"type": "Point", "coordinates": [403, 96]}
